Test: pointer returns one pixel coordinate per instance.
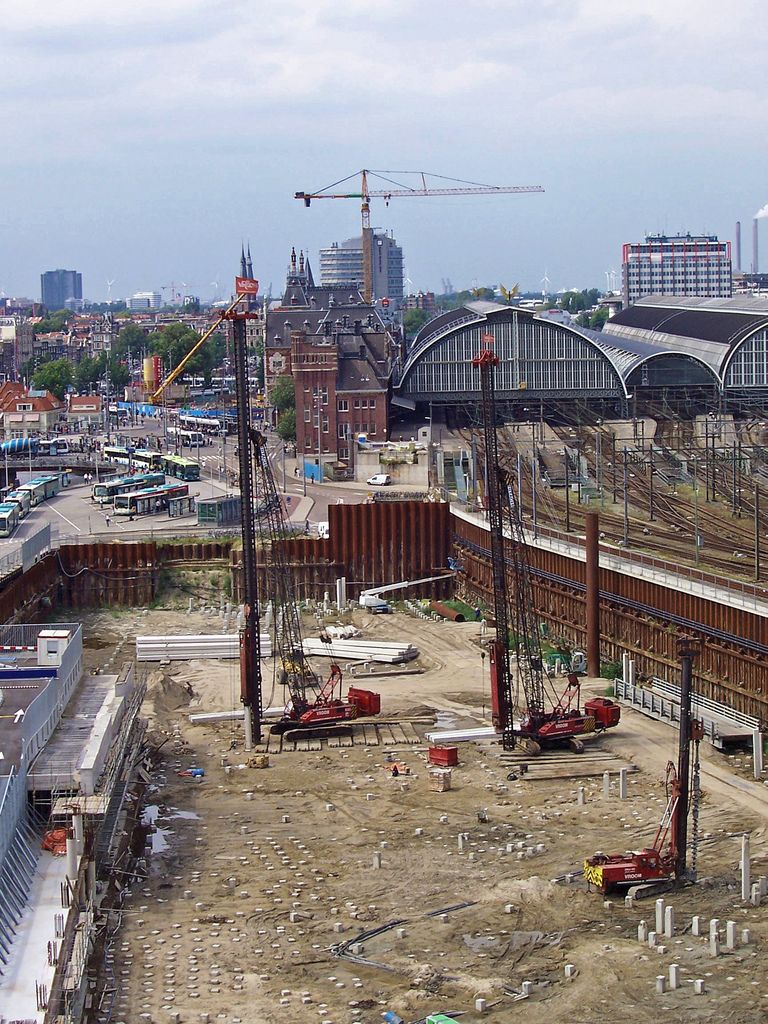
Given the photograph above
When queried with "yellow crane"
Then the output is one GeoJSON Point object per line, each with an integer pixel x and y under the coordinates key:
{"type": "Point", "coordinates": [178, 370]}
{"type": "Point", "coordinates": [423, 188]}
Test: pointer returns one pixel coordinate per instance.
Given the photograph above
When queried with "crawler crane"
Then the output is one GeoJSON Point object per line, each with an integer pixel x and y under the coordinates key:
{"type": "Point", "coordinates": [545, 719]}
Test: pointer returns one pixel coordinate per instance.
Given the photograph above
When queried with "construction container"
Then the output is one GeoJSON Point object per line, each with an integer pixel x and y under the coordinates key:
{"type": "Point", "coordinates": [214, 512]}
{"type": "Point", "coordinates": [367, 702]}
{"type": "Point", "coordinates": [440, 780]}
{"type": "Point", "coordinates": [446, 757]}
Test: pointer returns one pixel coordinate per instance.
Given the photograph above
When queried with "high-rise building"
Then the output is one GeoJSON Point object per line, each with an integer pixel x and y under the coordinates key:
{"type": "Point", "coordinates": [676, 265]}
{"type": "Point", "coordinates": [144, 300]}
{"type": "Point", "coordinates": [341, 266]}
{"type": "Point", "coordinates": [61, 289]}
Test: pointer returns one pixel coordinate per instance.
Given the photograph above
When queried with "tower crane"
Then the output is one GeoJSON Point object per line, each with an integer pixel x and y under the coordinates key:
{"type": "Point", "coordinates": [545, 719]}
{"type": "Point", "coordinates": [400, 190]}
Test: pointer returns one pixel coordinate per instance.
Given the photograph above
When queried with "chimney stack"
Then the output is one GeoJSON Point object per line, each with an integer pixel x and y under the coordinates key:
{"type": "Point", "coordinates": [755, 265]}
{"type": "Point", "coordinates": [738, 246]}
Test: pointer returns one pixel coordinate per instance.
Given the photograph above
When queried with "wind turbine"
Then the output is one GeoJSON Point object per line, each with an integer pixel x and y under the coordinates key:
{"type": "Point", "coordinates": [545, 282]}
{"type": "Point", "coordinates": [408, 284]}
{"type": "Point", "coordinates": [109, 290]}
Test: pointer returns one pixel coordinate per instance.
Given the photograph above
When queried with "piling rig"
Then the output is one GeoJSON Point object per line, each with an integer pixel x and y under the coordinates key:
{"type": "Point", "coordinates": [654, 867]}
{"type": "Point", "coordinates": [544, 718]}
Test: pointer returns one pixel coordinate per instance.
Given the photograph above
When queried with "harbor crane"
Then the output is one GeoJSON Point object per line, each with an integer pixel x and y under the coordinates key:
{"type": "Point", "coordinates": [398, 190]}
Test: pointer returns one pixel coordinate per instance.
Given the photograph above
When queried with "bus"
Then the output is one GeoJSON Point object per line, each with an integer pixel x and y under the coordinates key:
{"type": "Point", "coordinates": [150, 501]}
{"type": "Point", "coordinates": [208, 424]}
{"type": "Point", "coordinates": [149, 461]}
{"type": "Point", "coordinates": [37, 489]}
{"type": "Point", "coordinates": [9, 518]}
{"type": "Point", "coordinates": [188, 438]}
{"type": "Point", "coordinates": [104, 493]}
{"type": "Point", "coordinates": [181, 468]}
{"type": "Point", "coordinates": [53, 447]}
{"type": "Point", "coordinates": [115, 453]}
{"type": "Point", "coordinates": [22, 500]}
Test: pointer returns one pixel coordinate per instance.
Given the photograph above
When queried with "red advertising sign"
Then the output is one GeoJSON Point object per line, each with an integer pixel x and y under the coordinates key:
{"type": "Point", "coordinates": [246, 286]}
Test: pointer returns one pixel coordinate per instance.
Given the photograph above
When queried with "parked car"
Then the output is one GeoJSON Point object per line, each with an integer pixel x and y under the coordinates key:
{"type": "Point", "coordinates": [380, 480]}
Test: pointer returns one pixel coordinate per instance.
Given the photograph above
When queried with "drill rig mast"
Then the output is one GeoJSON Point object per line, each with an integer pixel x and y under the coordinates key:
{"type": "Point", "coordinates": [311, 703]}
{"type": "Point", "coordinates": [545, 719]}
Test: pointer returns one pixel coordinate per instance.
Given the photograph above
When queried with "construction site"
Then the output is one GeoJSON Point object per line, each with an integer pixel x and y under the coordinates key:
{"type": "Point", "coordinates": [445, 759]}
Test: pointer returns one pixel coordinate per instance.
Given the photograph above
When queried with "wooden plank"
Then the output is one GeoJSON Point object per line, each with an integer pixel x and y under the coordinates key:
{"type": "Point", "coordinates": [411, 736]}
{"type": "Point", "coordinates": [370, 735]}
{"type": "Point", "coordinates": [399, 735]}
{"type": "Point", "coordinates": [385, 734]}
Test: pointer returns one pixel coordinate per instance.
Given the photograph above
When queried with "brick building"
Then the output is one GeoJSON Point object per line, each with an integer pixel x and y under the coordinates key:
{"type": "Point", "coordinates": [340, 353]}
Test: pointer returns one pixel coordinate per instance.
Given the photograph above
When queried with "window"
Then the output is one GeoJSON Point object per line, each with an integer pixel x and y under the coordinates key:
{"type": "Point", "coordinates": [342, 405]}
{"type": "Point", "coordinates": [325, 424]}
{"type": "Point", "coordinates": [307, 415]}
{"type": "Point", "coordinates": [343, 453]}
{"type": "Point", "coordinates": [365, 403]}
{"type": "Point", "coordinates": [357, 403]}
{"type": "Point", "coordinates": [23, 407]}
{"type": "Point", "coordinates": [373, 428]}
{"type": "Point", "coordinates": [372, 404]}
{"type": "Point", "coordinates": [341, 430]}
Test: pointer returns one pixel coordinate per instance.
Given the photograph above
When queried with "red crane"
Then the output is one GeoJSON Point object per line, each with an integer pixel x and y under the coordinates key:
{"type": "Point", "coordinates": [545, 718]}
{"type": "Point", "coordinates": [400, 190]}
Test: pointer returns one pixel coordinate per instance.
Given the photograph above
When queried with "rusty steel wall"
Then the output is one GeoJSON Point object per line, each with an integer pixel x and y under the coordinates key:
{"type": "Point", "coordinates": [389, 542]}
{"type": "Point", "coordinates": [641, 617]}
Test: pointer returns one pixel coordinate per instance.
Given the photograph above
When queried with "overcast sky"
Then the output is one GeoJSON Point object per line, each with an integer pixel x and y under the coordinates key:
{"type": "Point", "coordinates": [143, 139]}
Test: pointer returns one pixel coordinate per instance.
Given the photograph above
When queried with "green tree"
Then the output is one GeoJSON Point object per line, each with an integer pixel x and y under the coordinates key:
{"type": "Point", "coordinates": [286, 425]}
{"type": "Point", "coordinates": [131, 340]}
{"type": "Point", "coordinates": [283, 396]}
{"type": "Point", "coordinates": [55, 376]}
{"type": "Point", "coordinates": [176, 340]}
{"type": "Point", "coordinates": [598, 319]}
{"type": "Point", "coordinates": [53, 322]}
{"type": "Point", "coordinates": [87, 373]}
{"type": "Point", "coordinates": [414, 320]}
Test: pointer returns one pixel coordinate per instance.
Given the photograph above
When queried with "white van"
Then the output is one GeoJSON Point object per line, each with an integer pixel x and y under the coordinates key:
{"type": "Point", "coordinates": [380, 480]}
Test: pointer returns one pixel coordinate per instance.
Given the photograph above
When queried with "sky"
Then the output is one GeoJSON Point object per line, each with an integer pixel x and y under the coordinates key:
{"type": "Point", "coordinates": [144, 140]}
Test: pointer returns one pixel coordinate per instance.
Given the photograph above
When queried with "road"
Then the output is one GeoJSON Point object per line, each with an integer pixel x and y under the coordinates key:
{"type": "Point", "coordinates": [72, 514]}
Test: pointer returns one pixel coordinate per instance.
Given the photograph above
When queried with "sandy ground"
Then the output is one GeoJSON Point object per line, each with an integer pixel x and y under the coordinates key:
{"type": "Point", "coordinates": [259, 873]}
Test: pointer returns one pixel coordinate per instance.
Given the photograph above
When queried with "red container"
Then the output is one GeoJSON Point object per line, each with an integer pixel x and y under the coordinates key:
{"type": "Point", "coordinates": [366, 701]}
{"type": "Point", "coordinates": [606, 712]}
{"type": "Point", "coordinates": [445, 757]}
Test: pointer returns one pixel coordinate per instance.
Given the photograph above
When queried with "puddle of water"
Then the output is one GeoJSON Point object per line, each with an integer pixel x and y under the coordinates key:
{"type": "Point", "coordinates": [158, 836]}
{"type": "Point", "coordinates": [176, 813]}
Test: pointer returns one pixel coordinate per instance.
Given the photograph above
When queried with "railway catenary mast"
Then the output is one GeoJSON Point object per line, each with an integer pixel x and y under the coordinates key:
{"type": "Point", "coordinates": [544, 719]}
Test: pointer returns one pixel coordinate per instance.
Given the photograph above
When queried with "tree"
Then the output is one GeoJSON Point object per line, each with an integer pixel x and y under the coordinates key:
{"type": "Point", "coordinates": [176, 340]}
{"type": "Point", "coordinates": [286, 425]}
{"type": "Point", "coordinates": [55, 376]}
{"type": "Point", "coordinates": [53, 322]}
{"type": "Point", "coordinates": [414, 320]}
{"type": "Point", "coordinates": [598, 319]}
{"type": "Point", "coordinates": [88, 372]}
{"type": "Point", "coordinates": [131, 340]}
{"type": "Point", "coordinates": [283, 396]}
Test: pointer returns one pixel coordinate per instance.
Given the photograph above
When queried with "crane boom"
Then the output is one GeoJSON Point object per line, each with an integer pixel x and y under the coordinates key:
{"type": "Point", "coordinates": [365, 194]}
{"type": "Point", "coordinates": [224, 315]}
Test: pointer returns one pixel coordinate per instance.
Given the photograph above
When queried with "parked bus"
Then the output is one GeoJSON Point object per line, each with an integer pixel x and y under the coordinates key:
{"type": "Point", "coordinates": [150, 501]}
{"type": "Point", "coordinates": [148, 461]}
{"type": "Point", "coordinates": [208, 424]}
{"type": "Point", "coordinates": [115, 453]}
{"type": "Point", "coordinates": [104, 493]}
{"type": "Point", "coordinates": [36, 489]}
{"type": "Point", "coordinates": [181, 468]}
{"type": "Point", "coordinates": [9, 518]}
{"type": "Point", "coordinates": [22, 499]}
{"type": "Point", "coordinates": [188, 438]}
{"type": "Point", "coordinates": [53, 447]}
